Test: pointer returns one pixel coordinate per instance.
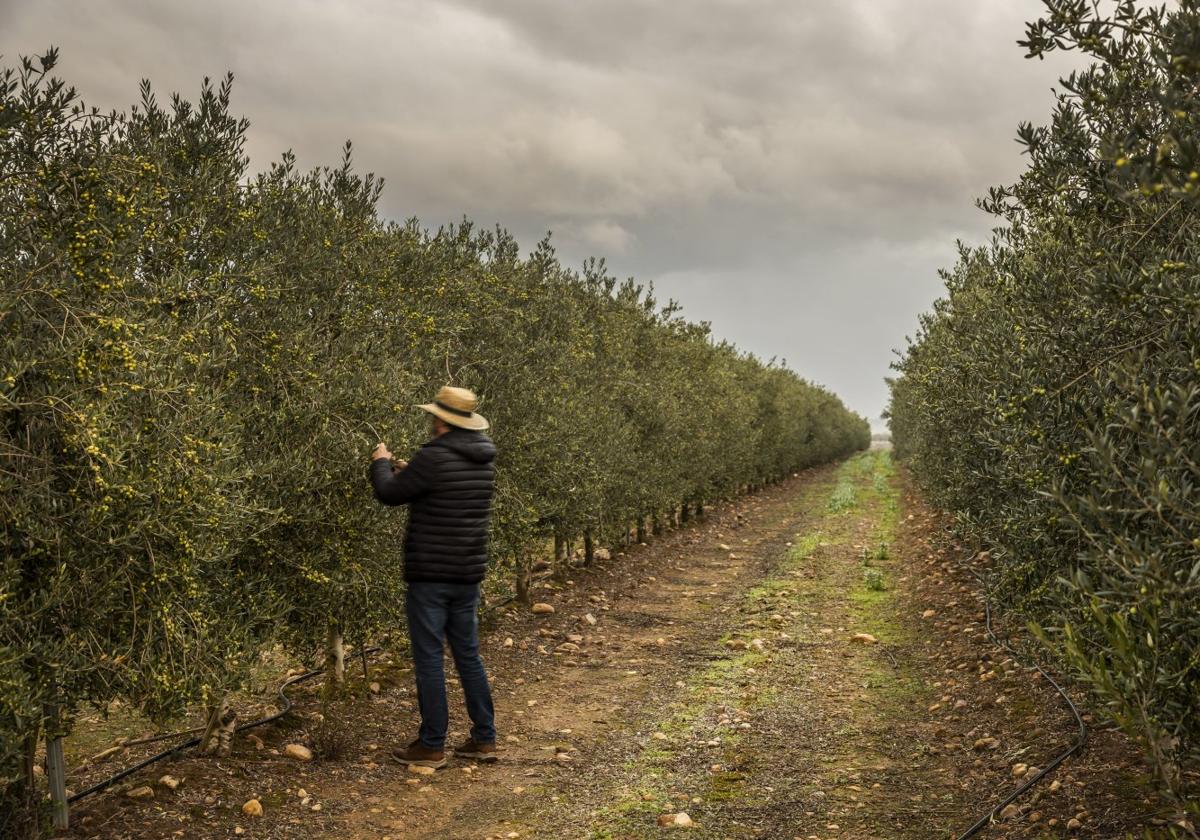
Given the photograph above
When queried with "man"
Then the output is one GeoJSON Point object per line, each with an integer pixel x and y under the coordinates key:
{"type": "Point", "coordinates": [448, 489]}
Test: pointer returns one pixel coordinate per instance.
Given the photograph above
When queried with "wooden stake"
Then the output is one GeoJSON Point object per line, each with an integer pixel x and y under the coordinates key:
{"type": "Point", "coordinates": [56, 772]}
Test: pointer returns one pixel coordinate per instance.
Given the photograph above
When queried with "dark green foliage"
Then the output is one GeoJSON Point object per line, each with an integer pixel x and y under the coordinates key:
{"type": "Point", "coordinates": [1052, 400]}
{"type": "Point", "coordinates": [195, 364]}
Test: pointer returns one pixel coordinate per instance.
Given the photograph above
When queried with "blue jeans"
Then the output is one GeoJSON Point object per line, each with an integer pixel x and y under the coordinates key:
{"type": "Point", "coordinates": [438, 612]}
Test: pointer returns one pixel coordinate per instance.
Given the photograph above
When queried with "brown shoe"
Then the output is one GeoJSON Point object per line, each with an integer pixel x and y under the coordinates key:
{"type": "Point", "coordinates": [420, 755]}
{"type": "Point", "coordinates": [480, 752]}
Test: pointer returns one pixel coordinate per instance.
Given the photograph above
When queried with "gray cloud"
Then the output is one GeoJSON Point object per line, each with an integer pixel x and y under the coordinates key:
{"type": "Point", "coordinates": [794, 172]}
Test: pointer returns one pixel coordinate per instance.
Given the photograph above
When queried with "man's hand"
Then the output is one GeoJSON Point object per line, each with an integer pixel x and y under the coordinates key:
{"type": "Point", "coordinates": [381, 451]}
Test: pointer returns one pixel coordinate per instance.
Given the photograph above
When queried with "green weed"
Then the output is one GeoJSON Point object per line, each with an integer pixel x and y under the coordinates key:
{"type": "Point", "coordinates": [873, 579]}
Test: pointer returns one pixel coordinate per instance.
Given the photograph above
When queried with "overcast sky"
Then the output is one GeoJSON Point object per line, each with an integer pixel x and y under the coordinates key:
{"type": "Point", "coordinates": [794, 171]}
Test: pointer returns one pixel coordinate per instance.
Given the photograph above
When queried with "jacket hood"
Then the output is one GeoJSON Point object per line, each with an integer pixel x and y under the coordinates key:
{"type": "Point", "coordinates": [475, 446]}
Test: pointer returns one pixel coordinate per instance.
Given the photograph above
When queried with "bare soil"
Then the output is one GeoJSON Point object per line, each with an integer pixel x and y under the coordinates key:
{"type": "Point", "coordinates": [715, 673]}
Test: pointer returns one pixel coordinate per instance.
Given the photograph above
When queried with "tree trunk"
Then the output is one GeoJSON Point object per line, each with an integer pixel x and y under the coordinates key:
{"type": "Point", "coordinates": [589, 548]}
{"type": "Point", "coordinates": [210, 726]}
{"type": "Point", "coordinates": [558, 564]}
{"type": "Point", "coordinates": [335, 660]}
{"type": "Point", "coordinates": [19, 817]}
{"type": "Point", "coordinates": [18, 800]}
{"type": "Point", "coordinates": [700, 509]}
{"type": "Point", "coordinates": [219, 731]}
{"type": "Point", "coordinates": [524, 581]}
{"type": "Point", "coordinates": [641, 529]}
{"type": "Point", "coordinates": [684, 513]}
{"type": "Point", "coordinates": [562, 562]}
{"type": "Point", "coordinates": [656, 525]}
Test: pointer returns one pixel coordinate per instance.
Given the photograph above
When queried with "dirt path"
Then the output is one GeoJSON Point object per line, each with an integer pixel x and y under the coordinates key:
{"type": "Point", "coordinates": [767, 717]}
{"type": "Point", "coordinates": [717, 673]}
{"type": "Point", "coordinates": [575, 719]}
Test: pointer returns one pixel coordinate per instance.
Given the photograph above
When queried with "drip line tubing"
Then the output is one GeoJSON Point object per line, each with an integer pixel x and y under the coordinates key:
{"type": "Point", "coordinates": [987, 818]}
{"type": "Point", "coordinates": [285, 707]}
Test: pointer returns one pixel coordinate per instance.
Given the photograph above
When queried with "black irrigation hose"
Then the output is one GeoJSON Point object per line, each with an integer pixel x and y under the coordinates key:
{"type": "Point", "coordinates": [986, 819]}
{"type": "Point", "coordinates": [156, 738]}
{"type": "Point", "coordinates": [178, 748]}
{"type": "Point", "coordinates": [287, 706]}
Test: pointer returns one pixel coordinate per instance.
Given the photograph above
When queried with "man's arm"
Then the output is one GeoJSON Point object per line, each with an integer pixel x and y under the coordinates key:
{"type": "Point", "coordinates": [398, 487]}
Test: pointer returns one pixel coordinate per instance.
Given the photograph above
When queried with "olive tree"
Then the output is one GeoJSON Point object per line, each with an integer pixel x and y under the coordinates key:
{"type": "Point", "coordinates": [121, 483]}
{"type": "Point", "coordinates": [1050, 399]}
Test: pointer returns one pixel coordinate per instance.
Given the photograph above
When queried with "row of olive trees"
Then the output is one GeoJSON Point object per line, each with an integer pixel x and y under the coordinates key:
{"type": "Point", "coordinates": [194, 364]}
{"type": "Point", "coordinates": [1052, 399]}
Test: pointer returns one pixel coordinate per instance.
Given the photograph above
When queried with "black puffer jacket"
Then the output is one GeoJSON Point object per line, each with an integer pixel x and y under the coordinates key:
{"type": "Point", "coordinates": [448, 489]}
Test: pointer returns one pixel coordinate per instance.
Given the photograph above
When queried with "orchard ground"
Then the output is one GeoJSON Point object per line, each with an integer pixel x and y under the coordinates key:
{"type": "Point", "coordinates": [808, 663]}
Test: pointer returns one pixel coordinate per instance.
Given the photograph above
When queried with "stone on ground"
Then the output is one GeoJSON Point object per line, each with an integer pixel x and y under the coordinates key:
{"type": "Point", "coordinates": [298, 752]}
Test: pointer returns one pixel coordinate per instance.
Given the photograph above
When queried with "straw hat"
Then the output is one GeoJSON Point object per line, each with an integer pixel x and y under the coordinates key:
{"type": "Point", "coordinates": [456, 407]}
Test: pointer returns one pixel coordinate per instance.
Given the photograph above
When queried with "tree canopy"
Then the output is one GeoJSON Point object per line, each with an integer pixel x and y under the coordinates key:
{"type": "Point", "coordinates": [196, 360]}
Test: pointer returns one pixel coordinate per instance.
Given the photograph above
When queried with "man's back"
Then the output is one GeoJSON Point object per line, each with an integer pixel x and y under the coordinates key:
{"type": "Point", "coordinates": [448, 487]}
